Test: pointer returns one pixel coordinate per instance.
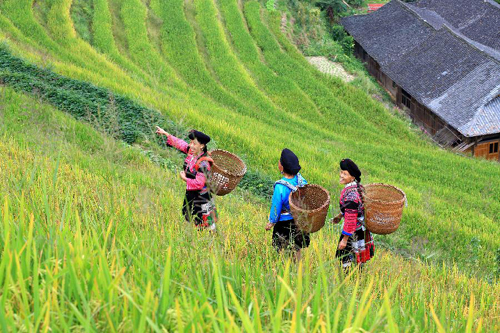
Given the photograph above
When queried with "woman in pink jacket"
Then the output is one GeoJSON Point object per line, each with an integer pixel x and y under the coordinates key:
{"type": "Point", "coordinates": [198, 205]}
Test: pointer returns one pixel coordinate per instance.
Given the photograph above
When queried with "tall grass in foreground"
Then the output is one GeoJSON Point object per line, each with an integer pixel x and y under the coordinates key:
{"type": "Point", "coordinates": [80, 271]}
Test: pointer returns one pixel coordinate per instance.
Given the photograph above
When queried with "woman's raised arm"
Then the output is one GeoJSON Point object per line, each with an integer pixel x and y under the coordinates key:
{"type": "Point", "coordinates": [181, 145]}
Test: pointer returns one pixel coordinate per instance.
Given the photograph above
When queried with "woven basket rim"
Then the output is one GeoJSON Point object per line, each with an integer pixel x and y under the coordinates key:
{"type": "Point", "coordinates": [385, 201]}
{"type": "Point", "coordinates": [311, 211]}
{"type": "Point", "coordinates": [244, 169]}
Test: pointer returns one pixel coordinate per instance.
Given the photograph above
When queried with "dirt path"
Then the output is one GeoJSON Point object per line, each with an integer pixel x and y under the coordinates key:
{"type": "Point", "coordinates": [329, 67]}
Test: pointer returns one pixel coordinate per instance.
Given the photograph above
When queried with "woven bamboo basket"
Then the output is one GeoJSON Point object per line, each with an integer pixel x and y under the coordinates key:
{"type": "Point", "coordinates": [227, 171]}
{"type": "Point", "coordinates": [309, 207]}
{"type": "Point", "coordinates": [383, 208]}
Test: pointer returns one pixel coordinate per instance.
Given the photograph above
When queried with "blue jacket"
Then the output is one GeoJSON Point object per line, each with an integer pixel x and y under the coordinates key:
{"type": "Point", "coordinates": [280, 208]}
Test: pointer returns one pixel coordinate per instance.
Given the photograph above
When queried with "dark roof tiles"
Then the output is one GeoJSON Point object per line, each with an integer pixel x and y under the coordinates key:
{"type": "Point", "coordinates": [442, 52]}
{"type": "Point", "coordinates": [434, 65]}
{"type": "Point", "coordinates": [383, 34]}
{"type": "Point", "coordinates": [478, 20]}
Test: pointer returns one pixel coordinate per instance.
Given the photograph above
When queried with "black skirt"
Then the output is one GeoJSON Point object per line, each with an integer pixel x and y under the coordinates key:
{"type": "Point", "coordinates": [286, 236]}
{"type": "Point", "coordinates": [195, 205]}
{"type": "Point", "coordinates": [359, 249]}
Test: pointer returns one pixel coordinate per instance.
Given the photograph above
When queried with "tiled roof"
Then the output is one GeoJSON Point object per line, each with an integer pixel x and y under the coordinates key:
{"type": "Point", "coordinates": [478, 20]}
{"type": "Point", "coordinates": [433, 55]}
{"type": "Point", "coordinates": [388, 33]}
{"type": "Point", "coordinates": [485, 121]}
{"type": "Point", "coordinates": [467, 105]}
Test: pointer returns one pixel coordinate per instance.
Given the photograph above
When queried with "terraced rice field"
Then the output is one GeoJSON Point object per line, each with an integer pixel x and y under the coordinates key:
{"type": "Point", "coordinates": [92, 236]}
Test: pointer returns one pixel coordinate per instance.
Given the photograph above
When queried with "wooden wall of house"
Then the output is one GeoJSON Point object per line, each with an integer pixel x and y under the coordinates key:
{"type": "Point", "coordinates": [418, 112]}
{"type": "Point", "coordinates": [489, 149]}
{"type": "Point", "coordinates": [371, 65]}
{"type": "Point", "coordinates": [359, 52]}
{"type": "Point", "coordinates": [389, 85]}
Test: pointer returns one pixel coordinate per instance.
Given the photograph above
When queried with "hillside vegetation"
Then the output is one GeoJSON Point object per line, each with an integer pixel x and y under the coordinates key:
{"type": "Point", "coordinates": [92, 234]}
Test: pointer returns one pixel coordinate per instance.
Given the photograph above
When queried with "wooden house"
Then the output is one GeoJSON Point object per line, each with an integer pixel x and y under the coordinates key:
{"type": "Point", "coordinates": [440, 61]}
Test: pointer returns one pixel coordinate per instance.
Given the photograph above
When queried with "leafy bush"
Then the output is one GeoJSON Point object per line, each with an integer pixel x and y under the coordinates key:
{"type": "Point", "coordinates": [339, 34]}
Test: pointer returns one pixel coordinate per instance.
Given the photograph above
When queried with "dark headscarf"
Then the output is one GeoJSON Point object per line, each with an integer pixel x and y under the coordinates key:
{"type": "Point", "coordinates": [200, 136]}
{"type": "Point", "coordinates": [348, 165]}
{"type": "Point", "coordinates": [290, 162]}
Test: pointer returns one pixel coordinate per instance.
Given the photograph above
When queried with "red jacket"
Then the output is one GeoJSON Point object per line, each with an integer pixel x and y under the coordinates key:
{"type": "Point", "coordinates": [351, 206]}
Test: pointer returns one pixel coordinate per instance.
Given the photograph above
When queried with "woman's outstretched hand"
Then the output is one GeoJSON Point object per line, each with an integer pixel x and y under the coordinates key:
{"type": "Point", "coordinates": [161, 131]}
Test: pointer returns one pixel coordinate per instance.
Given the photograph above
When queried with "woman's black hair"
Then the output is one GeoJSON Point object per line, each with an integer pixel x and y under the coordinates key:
{"type": "Point", "coordinates": [202, 138]}
{"type": "Point", "coordinates": [360, 188]}
{"type": "Point", "coordinates": [290, 162]}
{"type": "Point", "coordinates": [351, 167]}
{"type": "Point", "coordinates": [285, 170]}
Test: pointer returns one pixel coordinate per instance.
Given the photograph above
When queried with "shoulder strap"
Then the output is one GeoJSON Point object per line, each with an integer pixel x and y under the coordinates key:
{"type": "Point", "coordinates": [300, 180]}
{"type": "Point", "coordinates": [204, 158]}
{"type": "Point", "coordinates": [287, 184]}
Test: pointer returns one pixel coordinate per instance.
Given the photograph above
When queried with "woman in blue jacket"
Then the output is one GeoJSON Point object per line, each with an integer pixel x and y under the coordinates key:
{"type": "Point", "coordinates": [286, 235]}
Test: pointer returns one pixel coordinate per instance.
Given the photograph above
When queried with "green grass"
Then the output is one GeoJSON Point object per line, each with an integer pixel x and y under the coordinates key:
{"type": "Point", "coordinates": [92, 240]}
{"type": "Point", "coordinates": [81, 15]}
{"type": "Point", "coordinates": [92, 234]}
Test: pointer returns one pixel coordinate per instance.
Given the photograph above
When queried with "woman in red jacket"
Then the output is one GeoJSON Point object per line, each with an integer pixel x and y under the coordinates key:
{"type": "Point", "coordinates": [356, 242]}
{"type": "Point", "coordinates": [198, 205]}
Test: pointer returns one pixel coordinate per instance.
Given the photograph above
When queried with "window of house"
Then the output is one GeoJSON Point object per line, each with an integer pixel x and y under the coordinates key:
{"type": "Point", "coordinates": [493, 147]}
{"type": "Point", "coordinates": [393, 84]}
{"type": "Point", "coordinates": [406, 99]}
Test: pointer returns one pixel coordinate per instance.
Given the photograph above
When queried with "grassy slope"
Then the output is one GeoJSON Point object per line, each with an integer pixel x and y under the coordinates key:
{"type": "Point", "coordinates": [416, 168]}
{"type": "Point", "coordinates": [92, 239]}
{"type": "Point", "coordinates": [440, 197]}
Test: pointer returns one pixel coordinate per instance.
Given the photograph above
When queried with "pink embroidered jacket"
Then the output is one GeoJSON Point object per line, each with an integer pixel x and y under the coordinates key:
{"type": "Point", "coordinates": [197, 181]}
{"type": "Point", "coordinates": [351, 206]}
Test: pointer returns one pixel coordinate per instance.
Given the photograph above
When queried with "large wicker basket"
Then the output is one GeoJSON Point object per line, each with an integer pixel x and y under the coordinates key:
{"type": "Point", "coordinates": [309, 207]}
{"type": "Point", "coordinates": [383, 208]}
{"type": "Point", "coordinates": [226, 173]}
